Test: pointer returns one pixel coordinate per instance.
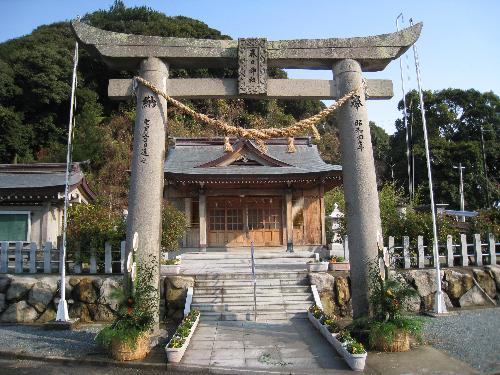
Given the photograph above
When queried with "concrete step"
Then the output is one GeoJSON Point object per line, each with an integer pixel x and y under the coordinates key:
{"type": "Point", "coordinates": [298, 298]}
{"type": "Point", "coordinates": [268, 290]}
{"type": "Point", "coordinates": [248, 276]}
{"type": "Point", "coordinates": [259, 283]}
{"type": "Point", "coordinates": [245, 255]}
{"type": "Point", "coordinates": [261, 307]}
{"type": "Point", "coordinates": [249, 316]}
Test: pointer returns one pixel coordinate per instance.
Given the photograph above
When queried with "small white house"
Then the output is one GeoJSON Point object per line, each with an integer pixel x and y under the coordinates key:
{"type": "Point", "coordinates": [32, 200]}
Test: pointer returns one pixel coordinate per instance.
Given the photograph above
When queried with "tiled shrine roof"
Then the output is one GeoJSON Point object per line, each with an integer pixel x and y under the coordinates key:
{"type": "Point", "coordinates": [205, 158]}
{"type": "Point", "coordinates": [39, 181]}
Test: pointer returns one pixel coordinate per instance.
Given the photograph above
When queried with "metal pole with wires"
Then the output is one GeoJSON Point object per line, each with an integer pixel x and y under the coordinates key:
{"type": "Point", "coordinates": [405, 117]}
{"type": "Point", "coordinates": [461, 188]}
{"type": "Point", "coordinates": [62, 307]}
{"type": "Point", "coordinates": [485, 169]}
{"type": "Point", "coordinates": [439, 306]}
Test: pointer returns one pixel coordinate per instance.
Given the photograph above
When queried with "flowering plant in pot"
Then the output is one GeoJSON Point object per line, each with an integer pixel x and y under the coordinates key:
{"type": "Point", "coordinates": [180, 340]}
{"type": "Point", "coordinates": [389, 326]}
{"type": "Point", "coordinates": [338, 263]}
{"type": "Point", "coordinates": [171, 266]}
{"type": "Point", "coordinates": [128, 336]}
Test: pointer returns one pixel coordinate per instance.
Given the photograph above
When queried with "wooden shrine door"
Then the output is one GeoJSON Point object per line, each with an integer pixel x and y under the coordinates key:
{"type": "Point", "coordinates": [231, 218]}
{"type": "Point", "coordinates": [264, 220]}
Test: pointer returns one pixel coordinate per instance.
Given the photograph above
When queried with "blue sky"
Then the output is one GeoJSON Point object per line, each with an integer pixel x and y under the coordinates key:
{"type": "Point", "coordinates": [459, 46]}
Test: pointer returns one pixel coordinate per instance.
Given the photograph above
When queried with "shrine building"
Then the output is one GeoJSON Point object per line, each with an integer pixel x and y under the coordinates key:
{"type": "Point", "coordinates": [274, 198]}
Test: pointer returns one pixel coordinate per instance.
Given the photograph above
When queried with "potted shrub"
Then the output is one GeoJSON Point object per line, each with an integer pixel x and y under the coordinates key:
{"type": "Point", "coordinates": [317, 266]}
{"type": "Point", "coordinates": [179, 342]}
{"type": "Point", "coordinates": [128, 337]}
{"type": "Point", "coordinates": [338, 263]}
{"type": "Point", "coordinates": [390, 327]}
{"type": "Point", "coordinates": [171, 266]}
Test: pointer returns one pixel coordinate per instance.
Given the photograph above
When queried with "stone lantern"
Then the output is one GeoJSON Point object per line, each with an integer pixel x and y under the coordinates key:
{"type": "Point", "coordinates": [336, 245]}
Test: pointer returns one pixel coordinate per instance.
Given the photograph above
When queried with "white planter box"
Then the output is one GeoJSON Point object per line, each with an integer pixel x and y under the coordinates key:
{"type": "Point", "coordinates": [175, 355]}
{"type": "Point", "coordinates": [324, 331]}
{"type": "Point", "coordinates": [339, 266]}
{"type": "Point", "coordinates": [317, 267]}
{"type": "Point", "coordinates": [313, 320]}
{"type": "Point", "coordinates": [355, 361]}
{"type": "Point", "coordinates": [332, 338]}
{"type": "Point", "coordinates": [172, 269]}
{"type": "Point", "coordinates": [337, 345]}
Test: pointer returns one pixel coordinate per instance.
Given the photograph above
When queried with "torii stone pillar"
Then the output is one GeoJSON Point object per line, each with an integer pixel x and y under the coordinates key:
{"type": "Point", "coordinates": [146, 181]}
{"type": "Point", "coordinates": [360, 184]}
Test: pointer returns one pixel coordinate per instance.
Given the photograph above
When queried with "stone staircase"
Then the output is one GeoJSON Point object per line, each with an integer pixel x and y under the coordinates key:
{"type": "Point", "coordinates": [225, 291]}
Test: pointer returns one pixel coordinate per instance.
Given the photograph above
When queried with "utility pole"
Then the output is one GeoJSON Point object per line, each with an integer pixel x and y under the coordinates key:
{"type": "Point", "coordinates": [405, 118]}
{"type": "Point", "coordinates": [62, 307]}
{"type": "Point", "coordinates": [484, 167]}
{"type": "Point", "coordinates": [439, 305]}
{"type": "Point", "coordinates": [462, 200]}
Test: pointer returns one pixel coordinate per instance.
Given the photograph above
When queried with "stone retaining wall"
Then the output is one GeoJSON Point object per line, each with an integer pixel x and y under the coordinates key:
{"type": "Point", "coordinates": [34, 298]}
{"type": "Point", "coordinates": [457, 283]}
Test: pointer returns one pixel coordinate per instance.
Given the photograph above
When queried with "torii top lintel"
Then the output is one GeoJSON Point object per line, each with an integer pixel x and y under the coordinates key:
{"type": "Point", "coordinates": [125, 51]}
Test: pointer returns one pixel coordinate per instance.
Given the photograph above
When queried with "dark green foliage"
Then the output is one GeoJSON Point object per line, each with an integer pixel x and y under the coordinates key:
{"type": "Point", "coordinates": [386, 331]}
{"type": "Point", "coordinates": [135, 314]}
{"type": "Point", "coordinates": [173, 227]}
{"type": "Point", "coordinates": [488, 221]}
{"type": "Point", "coordinates": [90, 226]}
{"type": "Point", "coordinates": [396, 223]}
{"type": "Point", "coordinates": [454, 118]}
{"type": "Point", "coordinates": [389, 294]}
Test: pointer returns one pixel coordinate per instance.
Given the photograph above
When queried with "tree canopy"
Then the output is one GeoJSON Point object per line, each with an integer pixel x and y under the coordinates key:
{"type": "Point", "coordinates": [454, 120]}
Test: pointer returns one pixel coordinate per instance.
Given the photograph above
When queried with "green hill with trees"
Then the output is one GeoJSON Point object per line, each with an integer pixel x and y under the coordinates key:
{"type": "Point", "coordinates": [35, 77]}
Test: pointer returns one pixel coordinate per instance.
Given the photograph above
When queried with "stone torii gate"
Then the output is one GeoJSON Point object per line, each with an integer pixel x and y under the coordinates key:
{"type": "Point", "coordinates": [152, 57]}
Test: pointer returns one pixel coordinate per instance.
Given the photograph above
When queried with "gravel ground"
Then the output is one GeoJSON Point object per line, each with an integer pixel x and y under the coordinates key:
{"type": "Point", "coordinates": [36, 340]}
{"type": "Point", "coordinates": [27, 367]}
{"type": "Point", "coordinates": [80, 344]}
{"type": "Point", "coordinates": [472, 336]}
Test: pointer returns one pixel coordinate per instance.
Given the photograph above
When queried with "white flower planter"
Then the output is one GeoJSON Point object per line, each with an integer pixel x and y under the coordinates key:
{"type": "Point", "coordinates": [174, 355]}
{"type": "Point", "coordinates": [337, 345]}
{"type": "Point", "coordinates": [332, 338]}
{"type": "Point", "coordinates": [312, 319]}
{"type": "Point", "coordinates": [317, 267]}
{"type": "Point", "coordinates": [171, 269]}
{"type": "Point", "coordinates": [324, 330]}
{"type": "Point", "coordinates": [355, 361]}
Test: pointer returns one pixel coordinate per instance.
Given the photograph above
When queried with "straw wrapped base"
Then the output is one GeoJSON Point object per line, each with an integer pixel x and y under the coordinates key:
{"type": "Point", "coordinates": [399, 343]}
{"type": "Point", "coordinates": [120, 351]}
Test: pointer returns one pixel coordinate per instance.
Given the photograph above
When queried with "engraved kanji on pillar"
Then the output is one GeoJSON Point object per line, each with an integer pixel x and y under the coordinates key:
{"type": "Point", "coordinates": [252, 66]}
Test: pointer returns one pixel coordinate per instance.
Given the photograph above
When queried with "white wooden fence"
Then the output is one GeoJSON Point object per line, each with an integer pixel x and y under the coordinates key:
{"type": "Point", "coordinates": [419, 255]}
{"type": "Point", "coordinates": [25, 257]}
